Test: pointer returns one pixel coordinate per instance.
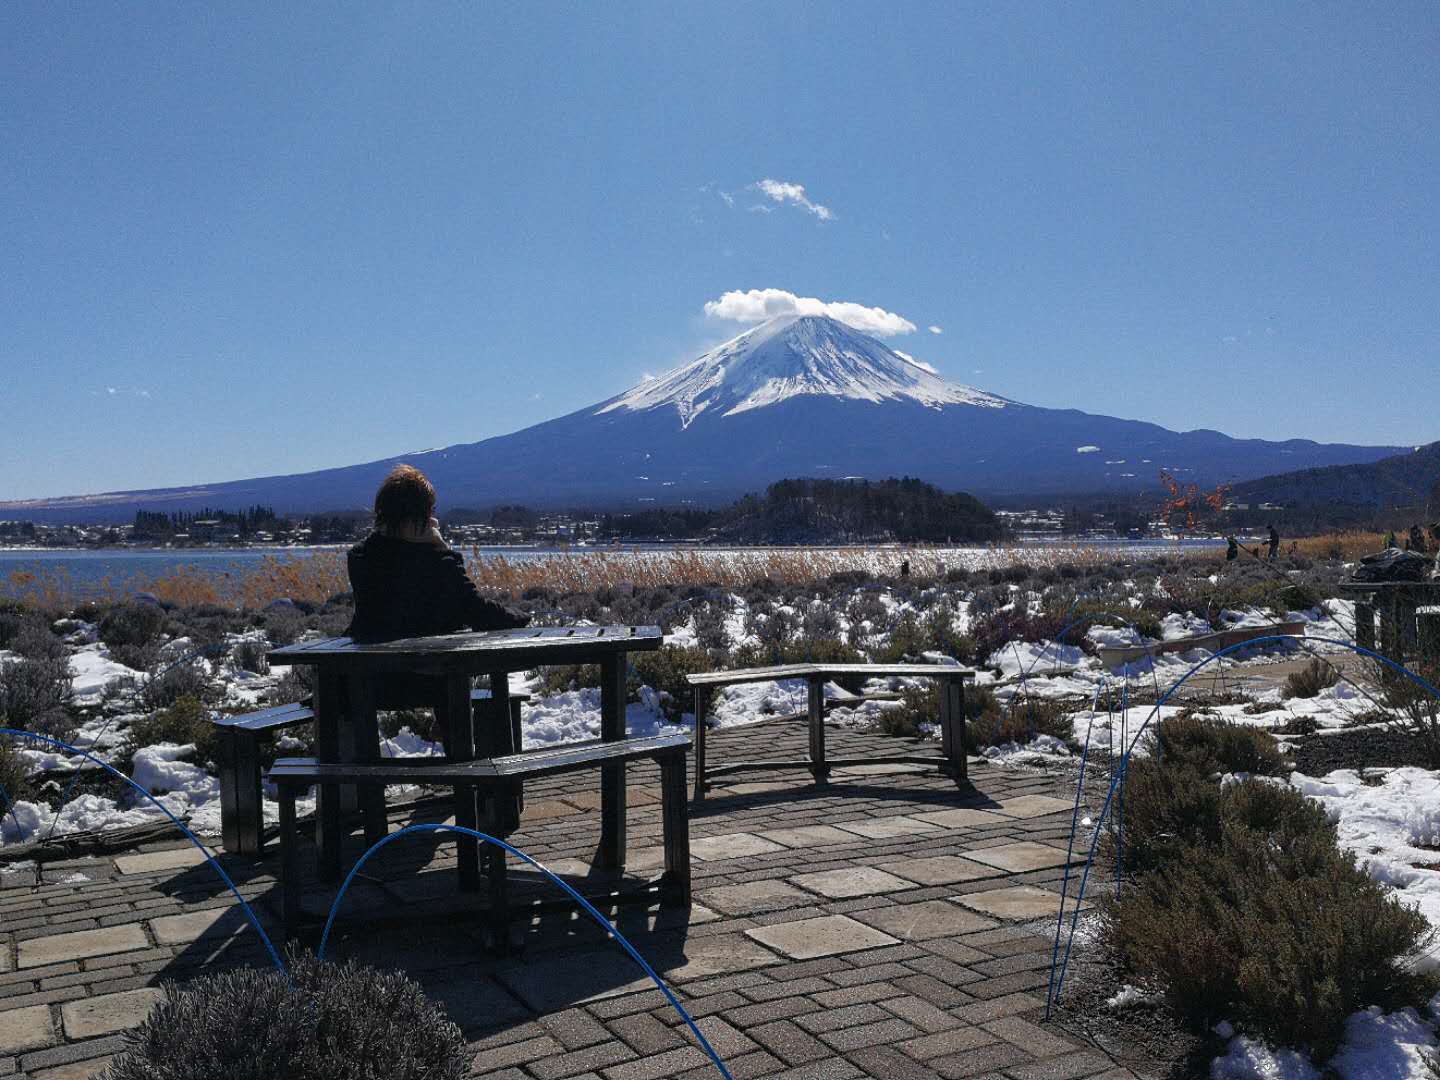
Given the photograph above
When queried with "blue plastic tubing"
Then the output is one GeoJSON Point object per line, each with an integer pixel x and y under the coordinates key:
{"type": "Point", "coordinates": [584, 904]}
{"type": "Point", "coordinates": [1125, 755]}
{"type": "Point", "coordinates": [249, 914]}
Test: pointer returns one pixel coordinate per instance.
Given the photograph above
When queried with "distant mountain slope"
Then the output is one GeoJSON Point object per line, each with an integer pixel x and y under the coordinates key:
{"type": "Point", "coordinates": [793, 397]}
{"type": "Point", "coordinates": [1401, 480]}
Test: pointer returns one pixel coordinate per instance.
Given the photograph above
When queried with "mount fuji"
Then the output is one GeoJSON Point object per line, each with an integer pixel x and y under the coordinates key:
{"type": "Point", "coordinates": [795, 396]}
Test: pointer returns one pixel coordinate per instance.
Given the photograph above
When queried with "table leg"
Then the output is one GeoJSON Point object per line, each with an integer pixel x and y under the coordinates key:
{"type": "Point", "coordinates": [461, 747]}
{"type": "Point", "coordinates": [612, 777]}
{"type": "Point", "coordinates": [329, 706]}
{"type": "Point", "coordinates": [504, 807]}
{"type": "Point", "coordinates": [816, 700]}
{"type": "Point", "coordinates": [365, 736]}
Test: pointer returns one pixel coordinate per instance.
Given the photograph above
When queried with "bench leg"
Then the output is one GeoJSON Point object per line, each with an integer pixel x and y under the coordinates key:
{"type": "Point", "coordinates": [675, 819]}
{"type": "Point", "coordinates": [952, 729]}
{"type": "Point", "coordinates": [818, 768]}
{"type": "Point", "coordinates": [498, 917]}
{"type": "Point", "coordinates": [702, 703]}
{"type": "Point", "coordinates": [329, 816]}
{"type": "Point", "coordinates": [241, 819]}
{"type": "Point", "coordinates": [289, 864]}
{"type": "Point", "coordinates": [612, 775]}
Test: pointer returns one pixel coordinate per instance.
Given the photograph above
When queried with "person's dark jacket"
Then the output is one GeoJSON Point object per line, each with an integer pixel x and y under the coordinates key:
{"type": "Point", "coordinates": [408, 589]}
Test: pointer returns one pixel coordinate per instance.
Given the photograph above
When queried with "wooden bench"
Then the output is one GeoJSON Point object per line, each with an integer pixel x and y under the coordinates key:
{"type": "Point", "coordinates": [242, 824]}
{"type": "Point", "coordinates": [503, 776]}
{"type": "Point", "coordinates": [951, 761]}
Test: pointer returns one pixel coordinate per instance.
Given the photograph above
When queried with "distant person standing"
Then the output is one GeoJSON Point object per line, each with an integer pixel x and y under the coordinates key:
{"type": "Point", "coordinates": [904, 567]}
{"type": "Point", "coordinates": [1274, 541]}
{"type": "Point", "coordinates": [1232, 549]}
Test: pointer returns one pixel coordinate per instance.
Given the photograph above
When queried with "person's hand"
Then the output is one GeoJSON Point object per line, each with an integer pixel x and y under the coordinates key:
{"type": "Point", "coordinates": [432, 534]}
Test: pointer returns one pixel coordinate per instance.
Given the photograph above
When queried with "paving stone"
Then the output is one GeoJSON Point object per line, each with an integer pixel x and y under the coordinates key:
{"type": "Point", "coordinates": [24, 1029]}
{"type": "Point", "coordinates": [126, 937]}
{"type": "Point", "coordinates": [656, 1066]}
{"type": "Point", "coordinates": [810, 836]}
{"type": "Point", "coordinates": [1069, 1067]}
{"type": "Point", "coordinates": [151, 861]}
{"type": "Point", "coordinates": [108, 1013]}
{"type": "Point", "coordinates": [925, 920]}
{"type": "Point", "coordinates": [183, 929]}
{"type": "Point", "coordinates": [1030, 806]}
{"type": "Point", "coordinates": [960, 818]}
{"type": "Point", "coordinates": [755, 896]}
{"type": "Point", "coordinates": [569, 979]}
{"type": "Point", "coordinates": [938, 869]}
{"type": "Point", "coordinates": [760, 787]}
{"type": "Point", "coordinates": [883, 828]}
{"type": "Point", "coordinates": [827, 935]}
{"type": "Point", "coordinates": [1017, 902]}
{"type": "Point", "coordinates": [77, 1070]}
{"type": "Point", "coordinates": [789, 1042]}
{"type": "Point", "coordinates": [544, 810]}
{"type": "Point", "coordinates": [731, 846]}
{"type": "Point", "coordinates": [1023, 856]}
{"type": "Point", "coordinates": [475, 1001]}
{"type": "Point", "coordinates": [851, 881]}
{"type": "Point", "coordinates": [881, 770]}
{"type": "Point", "coordinates": [4, 955]}
{"type": "Point", "coordinates": [1031, 1037]}
{"type": "Point", "coordinates": [710, 956]}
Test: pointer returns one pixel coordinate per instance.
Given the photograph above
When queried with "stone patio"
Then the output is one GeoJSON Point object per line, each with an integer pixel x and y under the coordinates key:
{"type": "Point", "coordinates": [887, 925]}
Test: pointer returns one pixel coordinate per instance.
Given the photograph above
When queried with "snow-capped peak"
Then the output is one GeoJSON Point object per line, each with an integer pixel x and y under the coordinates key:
{"type": "Point", "coordinates": [793, 355]}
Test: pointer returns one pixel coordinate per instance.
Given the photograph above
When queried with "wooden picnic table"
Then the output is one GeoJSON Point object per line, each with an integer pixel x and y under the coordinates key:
{"type": "Point", "coordinates": [347, 729]}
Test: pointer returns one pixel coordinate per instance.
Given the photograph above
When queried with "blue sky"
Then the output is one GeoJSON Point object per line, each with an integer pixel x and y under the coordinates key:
{"type": "Point", "coordinates": [239, 240]}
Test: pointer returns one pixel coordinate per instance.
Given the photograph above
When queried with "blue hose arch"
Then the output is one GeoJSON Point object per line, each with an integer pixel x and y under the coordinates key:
{"type": "Point", "coordinates": [574, 895]}
{"type": "Point", "coordinates": [1058, 981]}
{"type": "Point", "coordinates": [249, 913]}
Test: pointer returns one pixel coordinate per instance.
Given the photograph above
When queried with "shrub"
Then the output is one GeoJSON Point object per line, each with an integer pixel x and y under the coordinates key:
{"type": "Point", "coordinates": [173, 682]}
{"type": "Point", "coordinates": [284, 625]}
{"type": "Point", "coordinates": [297, 684]}
{"type": "Point", "coordinates": [34, 694]}
{"type": "Point", "coordinates": [132, 624]}
{"type": "Point", "coordinates": [1208, 745]}
{"type": "Point", "coordinates": [561, 677]}
{"type": "Point", "coordinates": [339, 1021]}
{"type": "Point", "coordinates": [1283, 935]}
{"type": "Point", "coordinates": [13, 780]}
{"type": "Point", "coordinates": [665, 670]}
{"type": "Point", "coordinates": [185, 721]}
{"type": "Point", "coordinates": [987, 724]}
{"type": "Point", "coordinates": [1315, 676]}
{"type": "Point", "coordinates": [250, 655]}
{"type": "Point", "coordinates": [34, 641]}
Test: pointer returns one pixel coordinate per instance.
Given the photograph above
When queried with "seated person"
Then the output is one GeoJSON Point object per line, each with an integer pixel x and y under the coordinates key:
{"type": "Point", "coordinates": [409, 583]}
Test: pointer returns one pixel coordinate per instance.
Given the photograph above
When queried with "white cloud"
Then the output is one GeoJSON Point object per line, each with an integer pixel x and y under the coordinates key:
{"type": "Point", "coordinates": [729, 199]}
{"type": "Point", "coordinates": [758, 305]}
{"type": "Point", "coordinates": [936, 329]}
{"type": "Point", "coordinates": [783, 191]}
{"type": "Point", "coordinates": [1087, 449]}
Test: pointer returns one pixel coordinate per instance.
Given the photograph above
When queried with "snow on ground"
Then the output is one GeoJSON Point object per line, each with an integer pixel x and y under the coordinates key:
{"type": "Point", "coordinates": [574, 715]}
{"type": "Point", "coordinates": [162, 768]}
{"type": "Point", "coordinates": [1377, 1046]}
{"type": "Point", "coordinates": [1025, 657]}
{"type": "Point", "coordinates": [92, 670]}
{"type": "Point", "coordinates": [1041, 750]}
{"type": "Point", "coordinates": [1175, 626]}
{"type": "Point", "coordinates": [1390, 819]}
{"type": "Point", "coordinates": [1118, 729]}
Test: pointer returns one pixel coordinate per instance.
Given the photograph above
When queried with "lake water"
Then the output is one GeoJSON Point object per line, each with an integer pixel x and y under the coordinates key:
{"type": "Point", "coordinates": [89, 567]}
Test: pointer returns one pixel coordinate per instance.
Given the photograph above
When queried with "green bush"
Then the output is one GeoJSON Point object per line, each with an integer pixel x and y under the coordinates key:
{"type": "Point", "coordinates": [132, 624]}
{"type": "Point", "coordinates": [338, 1022]}
{"type": "Point", "coordinates": [13, 779]}
{"type": "Point", "coordinates": [1281, 934]}
{"type": "Point", "coordinates": [1311, 679]}
{"type": "Point", "coordinates": [558, 678]}
{"type": "Point", "coordinates": [1240, 904]}
{"type": "Point", "coordinates": [665, 670]}
{"type": "Point", "coordinates": [34, 641]}
{"type": "Point", "coordinates": [987, 723]}
{"type": "Point", "coordinates": [184, 721]}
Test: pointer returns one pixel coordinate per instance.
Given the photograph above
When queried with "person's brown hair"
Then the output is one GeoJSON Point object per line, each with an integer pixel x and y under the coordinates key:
{"type": "Point", "coordinates": [406, 495]}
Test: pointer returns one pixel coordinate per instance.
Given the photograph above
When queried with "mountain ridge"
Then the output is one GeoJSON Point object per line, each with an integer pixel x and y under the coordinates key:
{"type": "Point", "coordinates": [793, 397]}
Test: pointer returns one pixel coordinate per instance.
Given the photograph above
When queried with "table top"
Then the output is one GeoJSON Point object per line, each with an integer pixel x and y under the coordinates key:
{"type": "Point", "coordinates": [474, 652]}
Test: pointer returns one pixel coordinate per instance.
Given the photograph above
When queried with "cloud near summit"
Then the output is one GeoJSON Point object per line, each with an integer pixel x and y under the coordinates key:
{"type": "Point", "coordinates": [757, 305]}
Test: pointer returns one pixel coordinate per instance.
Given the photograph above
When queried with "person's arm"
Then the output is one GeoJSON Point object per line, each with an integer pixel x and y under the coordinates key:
{"type": "Point", "coordinates": [472, 609]}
